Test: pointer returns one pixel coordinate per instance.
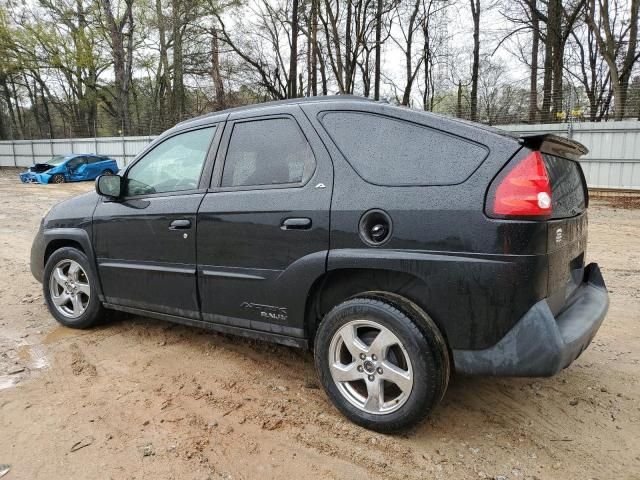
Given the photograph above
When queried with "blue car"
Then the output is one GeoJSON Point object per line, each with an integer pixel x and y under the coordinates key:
{"type": "Point", "coordinates": [70, 168]}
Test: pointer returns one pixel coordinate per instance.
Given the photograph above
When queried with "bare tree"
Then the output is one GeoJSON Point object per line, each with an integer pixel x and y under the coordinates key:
{"type": "Point", "coordinates": [293, 58]}
{"type": "Point", "coordinates": [586, 66]}
{"type": "Point", "coordinates": [216, 76]}
{"type": "Point", "coordinates": [376, 75]}
{"type": "Point", "coordinates": [617, 37]}
{"type": "Point", "coordinates": [260, 47]}
{"type": "Point", "coordinates": [120, 32]}
{"type": "Point", "coordinates": [357, 21]}
{"type": "Point", "coordinates": [475, 66]}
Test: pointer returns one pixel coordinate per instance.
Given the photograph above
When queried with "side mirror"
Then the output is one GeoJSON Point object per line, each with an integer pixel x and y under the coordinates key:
{"type": "Point", "coordinates": [109, 186]}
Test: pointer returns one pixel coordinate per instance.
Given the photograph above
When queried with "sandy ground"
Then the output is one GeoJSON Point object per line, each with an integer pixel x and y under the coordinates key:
{"type": "Point", "coordinates": [140, 398]}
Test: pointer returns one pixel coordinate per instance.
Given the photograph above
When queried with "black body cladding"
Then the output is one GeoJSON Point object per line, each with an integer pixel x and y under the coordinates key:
{"type": "Point", "coordinates": [270, 258]}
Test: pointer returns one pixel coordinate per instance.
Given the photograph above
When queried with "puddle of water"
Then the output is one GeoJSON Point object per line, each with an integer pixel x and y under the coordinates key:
{"type": "Point", "coordinates": [24, 353]}
{"type": "Point", "coordinates": [39, 358]}
{"type": "Point", "coordinates": [7, 381]}
{"type": "Point", "coordinates": [32, 358]}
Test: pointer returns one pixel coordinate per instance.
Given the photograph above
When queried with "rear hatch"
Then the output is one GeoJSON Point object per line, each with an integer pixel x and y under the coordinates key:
{"type": "Point", "coordinates": [567, 227]}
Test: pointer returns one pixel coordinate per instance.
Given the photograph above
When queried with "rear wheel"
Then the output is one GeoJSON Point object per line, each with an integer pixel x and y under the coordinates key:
{"type": "Point", "coordinates": [57, 178]}
{"type": "Point", "coordinates": [107, 172]}
{"type": "Point", "coordinates": [70, 289]}
{"type": "Point", "coordinates": [379, 364]}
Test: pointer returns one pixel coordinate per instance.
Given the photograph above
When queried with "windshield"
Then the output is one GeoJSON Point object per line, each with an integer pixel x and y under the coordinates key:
{"type": "Point", "coordinates": [57, 160]}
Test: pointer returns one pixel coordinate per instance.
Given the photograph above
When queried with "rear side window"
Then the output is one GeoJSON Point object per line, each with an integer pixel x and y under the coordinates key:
{"type": "Point", "coordinates": [388, 151]}
{"type": "Point", "coordinates": [568, 195]}
{"type": "Point", "coordinates": [272, 151]}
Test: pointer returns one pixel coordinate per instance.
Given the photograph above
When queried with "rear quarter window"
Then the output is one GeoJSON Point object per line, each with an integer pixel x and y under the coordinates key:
{"type": "Point", "coordinates": [393, 152]}
{"type": "Point", "coordinates": [568, 189]}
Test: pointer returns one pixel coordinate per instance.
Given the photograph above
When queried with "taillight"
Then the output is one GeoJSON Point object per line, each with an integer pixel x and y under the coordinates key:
{"type": "Point", "coordinates": [524, 191]}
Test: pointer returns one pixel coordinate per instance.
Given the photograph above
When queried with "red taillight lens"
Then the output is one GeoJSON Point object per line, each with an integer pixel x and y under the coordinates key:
{"type": "Point", "coordinates": [525, 190]}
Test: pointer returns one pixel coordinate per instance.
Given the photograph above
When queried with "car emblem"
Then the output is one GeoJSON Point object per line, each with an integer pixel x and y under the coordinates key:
{"type": "Point", "coordinates": [558, 235]}
{"type": "Point", "coordinates": [321, 185]}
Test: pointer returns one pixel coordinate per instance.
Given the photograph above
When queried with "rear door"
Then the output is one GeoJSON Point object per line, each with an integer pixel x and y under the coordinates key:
{"type": "Point", "coordinates": [95, 167]}
{"type": "Point", "coordinates": [263, 228]}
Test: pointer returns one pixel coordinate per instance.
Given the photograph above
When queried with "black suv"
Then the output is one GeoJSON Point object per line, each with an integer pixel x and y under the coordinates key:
{"type": "Point", "coordinates": [398, 244]}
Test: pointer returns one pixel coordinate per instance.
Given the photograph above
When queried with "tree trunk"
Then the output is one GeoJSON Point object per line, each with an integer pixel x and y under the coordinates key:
{"type": "Point", "coordinates": [323, 71]}
{"type": "Point", "coordinates": [475, 12]}
{"type": "Point", "coordinates": [314, 47]}
{"type": "Point", "coordinates": [164, 87]}
{"type": "Point", "coordinates": [376, 74]}
{"type": "Point", "coordinates": [557, 63]}
{"type": "Point", "coordinates": [178, 95]}
{"type": "Point", "coordinates": [120, 58]}
{"type": "Point", "coordinates": [218, 85]}
{"type": "Point", "coordinates": [610, 46]}
{"type": "Point", "coordinates": [309, 66]}
{"type": "Point", "coordinates": [347, 50]}
{"type": "Point", "coordinates": [535, 45]}
{"type": "Point", "coordinates": [18, 109]}
{"type": "Point", "coordinates": [408, 53]}
{"type": "Point", "coordinates": [547, 80]}
{"type": "Point", "coordinates": [14, 127]}
{"type": "Point", "coordinates": [630, 59]}
{"type": "Point", "coordinates": [293, 60]}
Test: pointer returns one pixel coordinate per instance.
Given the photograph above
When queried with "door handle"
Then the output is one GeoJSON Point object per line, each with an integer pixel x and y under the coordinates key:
{"type": "Point", "coordinates": [296, 224]}
{"type": "Point", "coordinates": [182, 224]}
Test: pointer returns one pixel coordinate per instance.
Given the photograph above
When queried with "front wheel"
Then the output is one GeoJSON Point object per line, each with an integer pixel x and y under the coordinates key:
{"type": "Point", "coordinates": [70, 289]}
{"type": "Point", "coordinates": [57, 178]}
{"type": "Point", "coordinates": [381, 366]}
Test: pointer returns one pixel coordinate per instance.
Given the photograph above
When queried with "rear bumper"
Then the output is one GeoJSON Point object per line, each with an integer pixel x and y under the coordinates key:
{"type": "Point", "coordinates": [541, 345]}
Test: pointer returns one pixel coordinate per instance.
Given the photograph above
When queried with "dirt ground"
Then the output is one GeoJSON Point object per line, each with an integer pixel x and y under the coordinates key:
{"type": "Point", "coordinates": [141, 398]}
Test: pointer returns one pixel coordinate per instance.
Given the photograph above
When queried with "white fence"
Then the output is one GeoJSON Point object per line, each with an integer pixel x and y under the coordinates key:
{"type": "Point", "coordinates": [613, 160]}
{"type": "Point", "coordinates": [23, 153]}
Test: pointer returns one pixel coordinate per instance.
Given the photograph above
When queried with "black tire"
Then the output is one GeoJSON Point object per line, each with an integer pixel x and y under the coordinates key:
{"type": "Point", "coordinates": [422, 343]}
{"type": "Point", "coordinates": [57, 178]}
{"type": "Point", "coordinates": [94, 312]}
{"type": "Point", "coordinates": [108, 171]}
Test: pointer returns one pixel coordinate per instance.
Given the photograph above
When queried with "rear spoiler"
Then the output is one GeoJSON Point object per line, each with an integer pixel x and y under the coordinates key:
{"type": "Point", "coordinates": [554, 145]}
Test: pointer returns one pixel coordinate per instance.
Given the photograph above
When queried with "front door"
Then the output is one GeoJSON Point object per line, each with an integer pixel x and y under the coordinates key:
{"type": "Point", "coordinates": [145, 244]}
{"type": "Point", "coordinates": [263, 229]}
{"type": "Point", "coordinates": [76, 168]}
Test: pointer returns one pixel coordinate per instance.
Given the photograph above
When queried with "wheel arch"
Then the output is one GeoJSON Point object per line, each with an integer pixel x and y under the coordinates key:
{"type": "Point", "coordinates": [336, 286]}
{"type": "Point", "coordinates": [58, 243]}
{"type": "Point", "coordinates": [57, 238]}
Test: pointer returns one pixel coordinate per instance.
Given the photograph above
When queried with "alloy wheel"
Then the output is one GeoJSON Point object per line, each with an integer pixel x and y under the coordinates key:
{"type": "Point", "coordinates": [370, 367]}
{"type": "Point", "coordinates": [69, 288]}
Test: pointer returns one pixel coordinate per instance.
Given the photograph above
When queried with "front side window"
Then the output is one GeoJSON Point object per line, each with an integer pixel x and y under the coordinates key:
{"type": "Point", "coordinates": [172, 166]}
{"type": "Point", "coordinates": [76, 162]}
{"type": "Point", "coordinates": [272, 151]}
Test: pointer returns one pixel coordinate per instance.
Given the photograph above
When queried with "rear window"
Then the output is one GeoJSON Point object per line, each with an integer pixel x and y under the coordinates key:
{"type": "Point", "coordinates": [388, 151]}
{"type": "Point", "coordinates": [568, 195]}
